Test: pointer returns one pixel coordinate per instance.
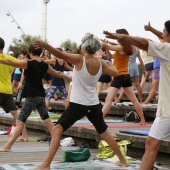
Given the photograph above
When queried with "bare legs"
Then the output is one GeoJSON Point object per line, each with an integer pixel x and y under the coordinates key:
{"type": "Point", "coordinates": [144, 76]}
{"type": "Point", "coordinates": [56, 136]}
{"type": "Point", "coordinates": [151, 149]}
{"type": "Point", "coordinates": [113, 145]}
{"type": "Point", "coordinates": [112, 92]}
{"type": "Point", "coordinates": [131, 95]}
{"type": "Point", "coordinates": [154, 86]}
{"type": "Point", "coordinates": [100, 85]}
{"type": "Point", "coordinates": [18, 129]}
{"type": "Point", "coordinates": [47, 102]}
{"type": "Point", "coordinates": [138, 88]}
{"type": "Point", "coordinates": [15, 114]}
{"type": "Point", "coordinates": [54, 145]}
{"type": "Point", "coordinates": [15, 135]}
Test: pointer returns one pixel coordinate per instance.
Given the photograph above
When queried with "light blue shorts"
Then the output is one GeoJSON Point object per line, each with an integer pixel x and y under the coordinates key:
{"type": "Point", "coordinates": [133, 71]}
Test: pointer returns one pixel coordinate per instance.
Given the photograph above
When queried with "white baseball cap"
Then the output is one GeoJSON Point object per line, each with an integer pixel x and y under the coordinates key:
{"type": "Point", "coordinates": [67, 142]}
{"type": "Point", "coordinates": [11, 53]}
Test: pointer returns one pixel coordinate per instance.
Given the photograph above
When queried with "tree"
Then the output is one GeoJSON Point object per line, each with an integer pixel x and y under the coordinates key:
{"type": "Point", "coordinates": [22, 43]}
{"type": "Point", "coordinates": [68, 44]}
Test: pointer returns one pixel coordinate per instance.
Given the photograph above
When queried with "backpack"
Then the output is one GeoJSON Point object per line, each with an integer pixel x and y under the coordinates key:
{"type": "Point", "coordinates": [132, 116]}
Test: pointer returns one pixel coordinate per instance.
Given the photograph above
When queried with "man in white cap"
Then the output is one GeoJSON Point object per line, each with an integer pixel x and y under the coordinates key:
{"type": "Point", "coordinates": [11, 53]}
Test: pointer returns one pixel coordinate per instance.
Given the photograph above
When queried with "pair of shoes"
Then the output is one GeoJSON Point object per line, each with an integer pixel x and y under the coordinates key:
{"type": "Point", "coordinates": [89, 144]}
{"type": "Point", "coordinates": [47, 139]}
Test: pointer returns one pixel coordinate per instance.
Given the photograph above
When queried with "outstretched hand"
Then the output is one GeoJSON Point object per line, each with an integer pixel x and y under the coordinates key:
{"type": "Point", "coordinates": [147, 27]}
{"type": "Point", "coordinates": [112, 35]}
{"type": "Point", "coordinates": [38, 43]}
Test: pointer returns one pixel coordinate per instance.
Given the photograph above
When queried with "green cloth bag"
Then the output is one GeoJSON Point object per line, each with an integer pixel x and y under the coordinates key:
{"type": "Point", "coordinates": [78, 155]}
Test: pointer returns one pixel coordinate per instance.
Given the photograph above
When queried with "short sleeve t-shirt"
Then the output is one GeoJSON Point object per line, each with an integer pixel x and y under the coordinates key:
{"type": "Point", "coordinates": [5, 75]}
{"type": "Point", "coordinates": [162, 52]}
{"type": "Point", "coordinates": [33, 79]}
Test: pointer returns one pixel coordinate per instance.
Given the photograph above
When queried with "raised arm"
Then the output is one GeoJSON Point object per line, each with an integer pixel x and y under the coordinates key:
{"type": "Point", "coordinates": [67, 66]}
{"type": "Point", "coordinates": [50, 61]}
{"type": "Point", "coordinates": [58, 74]}
{"type": "Point", "coordinates": [116, 47]}
{"type": "Point", "coordinates": [18, 64]}
{"type": "Point", "coordinates": [109, 54]}
{"type": "Point", "coordinates": [109, 68]}
{"type": "Point", "coordinates": [153, 30]}
{"type": "Point", "coordinates": [71, 58]}
{"type": "Point", "coordinates": [141, 62]}
{"type": "Point", "coordinates": [139, 42]}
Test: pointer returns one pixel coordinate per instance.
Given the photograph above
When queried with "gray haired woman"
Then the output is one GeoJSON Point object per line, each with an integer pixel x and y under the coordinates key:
{"type": "Point", "coordinates": [84, 98]}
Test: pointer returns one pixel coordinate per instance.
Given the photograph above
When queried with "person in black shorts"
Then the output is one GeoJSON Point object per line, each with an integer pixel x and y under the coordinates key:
{"type": "Point", "coordinates": [84, 99]}
{"type": "Point", "coordinates": [33, 91]}
{"type": "Point", "coordinates": [6, 95]}
{"type": "Point", "coordinates": [105, 79]}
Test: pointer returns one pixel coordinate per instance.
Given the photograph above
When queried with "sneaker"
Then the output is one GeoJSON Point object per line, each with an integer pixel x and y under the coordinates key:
{"type": "Point", "coordinates": [43, 139]}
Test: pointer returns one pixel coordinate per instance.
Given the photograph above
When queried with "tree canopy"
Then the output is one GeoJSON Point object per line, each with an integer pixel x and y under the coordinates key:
{"type": "Point", "coordinates": [69, 44]}
{"type": "Point", "coordinates": [22, 43]}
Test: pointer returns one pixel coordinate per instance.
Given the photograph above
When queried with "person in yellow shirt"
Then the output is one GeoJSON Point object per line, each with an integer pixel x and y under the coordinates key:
{"type": "Point", "coordinates": [6, 97]}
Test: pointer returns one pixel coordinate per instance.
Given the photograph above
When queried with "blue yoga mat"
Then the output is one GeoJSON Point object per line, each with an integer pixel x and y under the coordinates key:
{"type": "Point", "coordinates": [106, 120]}
{"type": "Point", "coordinates": [136, 131]}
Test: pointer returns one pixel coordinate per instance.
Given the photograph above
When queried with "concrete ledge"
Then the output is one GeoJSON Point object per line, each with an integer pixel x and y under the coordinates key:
{"type": "Point", "coordinates": [115, 110]}
{"type": "Point", "coordinates": [37, 125]}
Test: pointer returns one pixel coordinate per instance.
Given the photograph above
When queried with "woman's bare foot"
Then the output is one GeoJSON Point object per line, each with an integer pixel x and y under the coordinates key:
{"type": "Point", "coordinates": [123, 164]}
{"type": "Point", "coordinates": [142, 123]}
{"type": "Point", "coordinates": [41, 167]}
{"type": "Point", "coordinates": [117, 100]}
{"type": "Point", "coordinates": [5, 149]}
{"type": "Point", "coordinates": [23, 139]}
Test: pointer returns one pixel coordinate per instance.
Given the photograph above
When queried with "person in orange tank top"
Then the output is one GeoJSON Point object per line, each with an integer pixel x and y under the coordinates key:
{"type": "Point", "coordinates": [121, 57]}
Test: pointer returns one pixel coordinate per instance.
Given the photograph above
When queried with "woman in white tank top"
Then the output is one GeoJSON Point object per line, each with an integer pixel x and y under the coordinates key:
{"type": "Point", "coordinates": [84, 99]}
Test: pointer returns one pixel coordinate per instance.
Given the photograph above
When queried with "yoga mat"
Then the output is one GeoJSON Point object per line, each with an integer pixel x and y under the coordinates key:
{"type": "Point", "coordinates": [51, 115]}
{"type": "Point", "coordinates": [136, 131]}
{"type": "Point", "coordinates": [117, 125]}
{"type": "Point", "coordinates": [87, 165]}
{"type": "Point", "coordinates": [106, 120]}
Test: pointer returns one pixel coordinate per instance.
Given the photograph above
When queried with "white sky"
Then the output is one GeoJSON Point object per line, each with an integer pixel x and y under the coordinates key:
{"type": "Point", "coordinates": [73, 18]}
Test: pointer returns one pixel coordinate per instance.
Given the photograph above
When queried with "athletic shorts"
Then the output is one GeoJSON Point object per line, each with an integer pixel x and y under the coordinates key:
{"type": "Point", "coordinates": [160, 129]}
{"type": "Point", "coordinates": [133, 71]}
{"type": "Point", "coordinates": [53, 89]}
{"type": "Point", "coordinates": [7, 102]}
{"type": "Point", "coordinates": [16, 77]}
{"type": "Point", "coordinates": [121, 81]}
{"type": "Point", "coordinates": [156, 73]}
{"type": "Point", "coordinates": [105, 78]}
{"type": "Point", "coordinates": [149, 66]}
{"type": "Point", "coordinates": [30, 104]}
{"type": "Point", "coordinates": [75, 112]}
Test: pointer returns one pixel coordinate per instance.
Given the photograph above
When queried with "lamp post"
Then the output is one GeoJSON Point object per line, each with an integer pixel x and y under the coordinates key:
{"type": "Point", "coordinates": [44, 28]}
{"type": "Point", "coordinates": [13, 20]}
{"type": "Point", "coordinates": [9, 14]}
